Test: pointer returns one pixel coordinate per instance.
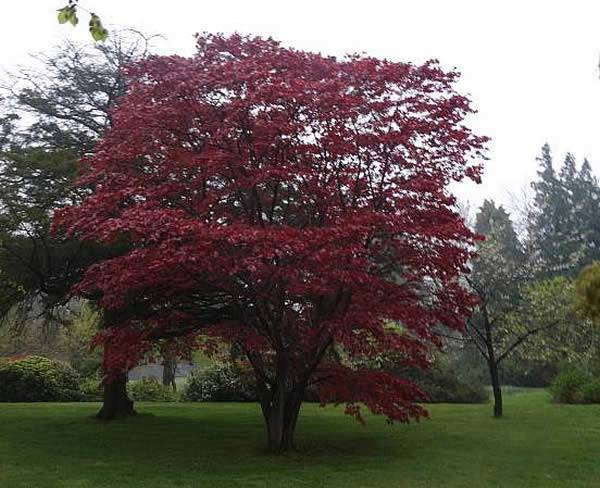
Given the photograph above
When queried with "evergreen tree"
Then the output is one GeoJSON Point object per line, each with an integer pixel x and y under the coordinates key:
{"type": "Point", "coordinates": [543, 222]}
{"type": "Point", "coordinates": [564, 230]}
{"type": "Point", "coordinates": [570, 229]}
{"type": "Point", "coordinates": [492, 220]}
{"type": "Point", "coordinates": [52, 114]}
{"type": "Point", "coordinates": [586, 209]}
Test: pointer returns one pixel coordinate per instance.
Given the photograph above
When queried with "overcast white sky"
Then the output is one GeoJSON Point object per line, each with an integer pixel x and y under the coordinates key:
{"type": "Point", "coordinates": [530, 66]}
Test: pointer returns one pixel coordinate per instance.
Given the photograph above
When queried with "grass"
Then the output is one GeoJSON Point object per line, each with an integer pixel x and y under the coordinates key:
{"type": "Point", "coordinates": [537, 444]}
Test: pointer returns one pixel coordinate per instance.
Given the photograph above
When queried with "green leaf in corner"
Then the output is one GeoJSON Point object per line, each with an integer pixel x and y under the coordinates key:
{"type": "Point", "coordinates": [97, 30]}
{"type": "Point", "coordinates": [73, 19]}
{"type": "Point", "coordinates": [63, 15]}
{"type": "Point", "coordinates": [68, 14]}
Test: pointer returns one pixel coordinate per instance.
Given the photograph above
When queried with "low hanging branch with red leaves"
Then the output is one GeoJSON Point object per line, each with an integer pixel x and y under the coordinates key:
{"type": "Point", "coordinates": [292, 204]}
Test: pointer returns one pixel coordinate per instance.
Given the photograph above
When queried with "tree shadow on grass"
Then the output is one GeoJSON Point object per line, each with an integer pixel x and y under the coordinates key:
{"type": "Point", "coordinates": [217, 433]}
{"type": "Point", "coordinates": [219, 444]}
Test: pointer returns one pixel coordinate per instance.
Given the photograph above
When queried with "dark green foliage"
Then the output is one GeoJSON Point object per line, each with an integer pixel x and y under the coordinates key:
{"type": "Point", "coordinates": [545, 227]}
{"type": "Point", "coordinates": [576, 385]}
{"type": "Point", "coordinates": [449, 389]}
{"type": "Point", "coordinates": [221, 383]}
{"type": "Point", "coordinates": [88, 365]}
{"type": "Point", "coordinates": [494, 221]}
{"type": "Point", "coordinates": [590, 392]}
{"type": "Point", "coordinates": [588, 211]}
{"type": "Point", "coordinates": [38, 379]}
{"type": "Point", "coordinates": [150, 390]}
{"type": "Point", "coordinates": [564, 226]}
{"type": "Point", "coordinates": [519, 371]}
{"type": "Point", "coordinates": [568, 385]}
{"type": "Point", "coordinates": [54, 112]}
{"type": "Point", "coordinates": [33, 183]}
{"type": "Point", "coordinates": [444, 384]}
{"type": "Point", "coordinates": [91, 389]}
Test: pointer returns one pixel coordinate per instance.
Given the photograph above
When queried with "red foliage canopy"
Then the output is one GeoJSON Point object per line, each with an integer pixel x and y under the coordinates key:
{"type": "Point", "coordinates": [293, 204]}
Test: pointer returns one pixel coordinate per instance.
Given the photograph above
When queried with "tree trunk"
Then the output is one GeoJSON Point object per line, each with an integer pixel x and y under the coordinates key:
{"type": "Point", "coordinates": [280, 410]}
{"type": "Point", "coordinates": [116, 403]}
{"type": "Point", "coordinates": [169, 369]}
{"type": "Point", "coordinates": [493, 366]}
{"type": "Point", "coordinates": [497, 389]}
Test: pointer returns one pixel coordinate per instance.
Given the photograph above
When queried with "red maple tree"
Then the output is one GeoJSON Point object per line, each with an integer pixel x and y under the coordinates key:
{"type": "Point", "coordinates": [292, 204]}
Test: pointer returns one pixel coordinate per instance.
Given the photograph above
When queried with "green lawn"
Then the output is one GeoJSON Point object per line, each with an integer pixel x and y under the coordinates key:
{"type": "Point", "coordinates": [220, 445]}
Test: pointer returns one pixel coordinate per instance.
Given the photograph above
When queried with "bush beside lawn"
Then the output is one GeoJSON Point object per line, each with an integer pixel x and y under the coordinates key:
{"type": "Point", "coordinates": [38, 379]}
{"type": "Point", "coordinates": [575, 385]}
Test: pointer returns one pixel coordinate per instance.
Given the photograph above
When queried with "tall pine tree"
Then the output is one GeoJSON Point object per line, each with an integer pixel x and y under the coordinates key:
{"type": "Point", "coordinates": [564, 229]}
{"type": "Point", "coordinates": [495, 220]}
{"type": "Point", "coordinates": [586, 209]}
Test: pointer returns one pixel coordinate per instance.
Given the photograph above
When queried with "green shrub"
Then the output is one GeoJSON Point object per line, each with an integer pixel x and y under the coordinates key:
{"type": "Point", "coordinates": [87, 366]}
{"type": "Point", "coordinates": [568, 385]}
{"type": "Point", "coordinates": [221, 383]}
{"type": "Point", "coordinates": [150, 390]}
{"type": "Point", "coordinates": [38, 379]}
{"type": "Point", "coordinates": [91, 389]}
{"type": "Point", "coordinates": [144, 390]}
{"type": "Point", "coordinates": [590, 391]}
{"type": "Point", "coordinates": [447, 381]}
{"type": "Point", "coordinates": [444, 386]}
{"type": "Point", "coordinates": [528, 372]}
